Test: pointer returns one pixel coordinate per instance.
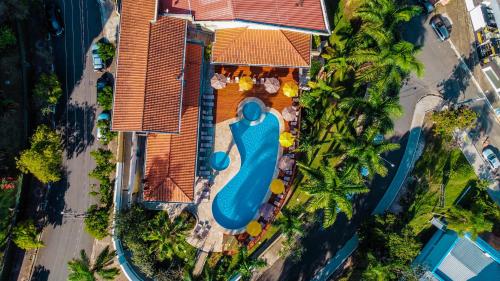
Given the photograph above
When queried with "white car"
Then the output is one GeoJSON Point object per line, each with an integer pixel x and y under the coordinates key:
{"type": "Point", "coordinates": [96, 59]}
{"type": "Point", "coordinates": [491, 158]}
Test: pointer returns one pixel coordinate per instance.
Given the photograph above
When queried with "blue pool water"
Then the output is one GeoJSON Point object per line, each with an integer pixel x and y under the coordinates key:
{"type": "Point", "coordinates": [252, 111]}
{"type": "Point", "coordinates": [237, 203]}
{"type": "Point", "coordinates": [219, 160]}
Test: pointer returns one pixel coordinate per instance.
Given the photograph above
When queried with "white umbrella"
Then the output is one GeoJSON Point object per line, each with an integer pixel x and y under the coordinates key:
{"type": "Point", "coordinates": [286, 163]}
{"type": "Point", "coordinates": [289, 113]}
{"type": "Point", "coordinates": [218, 81]}
{"type": "Point", "coordinates": [272, 85]}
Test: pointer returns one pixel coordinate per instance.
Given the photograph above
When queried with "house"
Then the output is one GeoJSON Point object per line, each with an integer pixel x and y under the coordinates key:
{"type": "Point", "coordinates": [449, 256]}
{"type": "Point", "coordinates": [162, 71]}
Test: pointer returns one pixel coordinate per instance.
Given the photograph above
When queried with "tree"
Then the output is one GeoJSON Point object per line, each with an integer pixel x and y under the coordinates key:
{"type": "Point", "coordinates": [106, 134]}
{"type": "Point", "coordinates": [290, 223]}
{"type": "Point", "coordinates": [385, 14]}
{"type": "Point", "coordinates": [446, 121]}
{"type": "Point", "coordinates": [246, 264]}
{"type": "Point", "coordinates": [7, 37]}
{"type": "Point", "coordinates": [25, 236]}
{"type": "Point", "coordinates": [44, 157]}
{"type": "Point", "coordinates": [82, 270]}
{"type": "Point", "coordinates": [466, 221]}
{"type": "Point", "coordinates": [331, 191]}
{"type": "Point", "coordinates": [105, 98]}
{"type": "Point", "coordinates": [167, 239]}
{"type": "Point", "coordinates": [48, 89]}
{"type": "Point", "coordinates": [106, 51]}
{"type": "Point", "coordinates": [97, 221]}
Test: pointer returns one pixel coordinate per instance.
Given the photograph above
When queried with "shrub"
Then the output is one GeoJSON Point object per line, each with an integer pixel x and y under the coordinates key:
{"type": "Point", "coordinates": [445, 122]}
{"type": "Point", "coordinates": [105, 98]}
{"type": "Point", "coordinates": [106, 51]}
{"type": "Point", "coordinates": [106, 134]}
{"type": "Point", "coordinates": [7, 37]}
{"type": "Point", "coordinates": [25, 235]}
{"type": "Point", "coordinates": [97, 221]}
{"type": "Point", "coordinates": [44, 158]}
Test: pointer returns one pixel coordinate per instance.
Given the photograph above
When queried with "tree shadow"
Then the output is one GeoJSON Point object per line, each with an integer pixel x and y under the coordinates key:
{"type": "Point", "coordinates": [40, 273]}
{"type": "Point", "coordinates": [77, 139]}
{"type": "Point", "coordinates": [56, 202]}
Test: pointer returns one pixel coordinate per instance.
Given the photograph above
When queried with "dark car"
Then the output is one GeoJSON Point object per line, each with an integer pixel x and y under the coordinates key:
{"type": "Point", "coordinates": [441, 26]}
{"type": "Point", "coordinates": [54, 19]}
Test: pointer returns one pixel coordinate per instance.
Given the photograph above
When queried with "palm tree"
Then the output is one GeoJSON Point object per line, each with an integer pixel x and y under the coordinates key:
{"type": "Point", "coordinates": [246, 264]}
{"type": "Point", "coordinates": [365, 153]}
{"type": "Point", "coordinates": [388, 65]}
{"type": "Point", "coordinates": [330, 191]}
{"type": "Point", "coordinates": [81, 269]}
{"type": "Point", "coordinates": [290, 223]}
{"type": "Point", "coordinates": [376, 109]}
{"type": "Point", "coordinates": [385, 14]}
{"type": "Point", "coordinates": [167, 238]}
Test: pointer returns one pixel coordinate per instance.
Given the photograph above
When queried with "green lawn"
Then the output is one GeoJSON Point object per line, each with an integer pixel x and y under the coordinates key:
{"type": "Point", "coordinates": [438, 166]}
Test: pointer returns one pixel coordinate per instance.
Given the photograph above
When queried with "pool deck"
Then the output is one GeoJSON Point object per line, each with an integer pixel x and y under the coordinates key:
{"type": "Point", "coordinates": [227, 101]}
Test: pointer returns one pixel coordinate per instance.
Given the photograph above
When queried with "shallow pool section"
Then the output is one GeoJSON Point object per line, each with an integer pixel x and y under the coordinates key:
{"type": "Point", "coordinates": [238, 202]}
{"type": "Point", "coordinates": [252, 111]}
{"type": "Point", "coordinates": [219, 160]}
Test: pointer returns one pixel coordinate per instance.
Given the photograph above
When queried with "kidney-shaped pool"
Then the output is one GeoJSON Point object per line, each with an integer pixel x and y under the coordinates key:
{"type": "Point", "coordinates": [239, 200]}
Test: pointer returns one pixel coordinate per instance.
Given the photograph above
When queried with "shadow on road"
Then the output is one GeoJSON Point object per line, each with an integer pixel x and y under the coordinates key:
{"type": "Point", "coordinates": [40, 273]}
{"type": "Point", "coordinates": [56, 202]}
{"type": "Point", "coordinates": [77, 138]}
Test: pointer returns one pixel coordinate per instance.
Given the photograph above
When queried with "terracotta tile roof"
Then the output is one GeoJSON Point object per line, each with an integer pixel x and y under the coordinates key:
{"type": "Point", "coordinates": [300, 14]}
{"type": "Point", "coordinates": [163, 99]}
{"type": "Point", "coordinates": [132, 62]}
{"type": "Point", "coordinates": [245, 46]}
{"type": "Point", "coordinates": [171, 159]}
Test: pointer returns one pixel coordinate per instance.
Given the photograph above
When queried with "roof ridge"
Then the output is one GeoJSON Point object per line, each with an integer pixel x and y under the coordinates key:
{"type": "Point", "coordinates": [177, 186]}
{"type": "Point", "coordinates": [294, 47]}
{"type": "Point", "coordinates": [226, 46]}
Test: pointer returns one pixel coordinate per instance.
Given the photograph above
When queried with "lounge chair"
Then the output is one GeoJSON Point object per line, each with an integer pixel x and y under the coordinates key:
{"type": "Point", "coordinates": [197, 228]}
{"type": "Point", "coordinates": [207, 112]}
{"type": "Point", "coordinates": [286, 178]}
{"type": "Point", "coordinates": [237, 79]}
{"type": "Point", "coordinates": [204, 137]}
{"type": "Point", "coordinates": [208, 97]}
{"type": "Point", "coordinates": [207, 117]}
{"type": "Point", "coordinates": [254, 80]}
{"type": "Point", "coordinates": [208, 103]}
{"type": "Point", "coordinates": [205, 231]}
{"type": "Point", "coordinates": [208, 125]}
{"type": "Point", "coordinates": [262, 80]}
{"type": "Point", "coordinates": [204, 173]}
{"type": "Point", "coordinates": [228, 79]}
{"type": "Point", "coordinates": [204, 144]}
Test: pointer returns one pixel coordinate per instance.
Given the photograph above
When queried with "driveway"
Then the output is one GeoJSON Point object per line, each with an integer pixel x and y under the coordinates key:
{"type": "Point", "coordinates": [443, 74]}
{"type": "Point", "coordinates": [64, 235]}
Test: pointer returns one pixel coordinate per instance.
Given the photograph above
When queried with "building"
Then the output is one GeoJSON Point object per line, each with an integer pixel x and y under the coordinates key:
{"type": "Point", "coordinates": [166, 51]}
{"type": "Point", "coordinates": [448, 256]}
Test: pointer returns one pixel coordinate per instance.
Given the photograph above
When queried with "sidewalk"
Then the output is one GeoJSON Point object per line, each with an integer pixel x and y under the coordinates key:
{"type": "Point", "coordinates": [426, 104]}
{"type": "Point", "coordinates": [480, 167]}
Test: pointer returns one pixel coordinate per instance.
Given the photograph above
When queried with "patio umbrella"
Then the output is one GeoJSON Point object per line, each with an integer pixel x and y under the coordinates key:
{"type": "Point", "coordinates": [286, 139]}
{"type": "Point", "coordinates": [272, 85]}
{"type": "Point", "coordinates": [266, 210]}
{"type": "Point", "coordinates": [286, 163]}
{"type": "Point", "coordinates": [254, 228]}
{"type": "Point", "coordinates": [290, 89]}
{"type": "Point", "coordinates": [289, 113]}
{"type": "Point", "coordinates": [246, 83]}
{"type": "Point", "coordinates": [277, 186]}
{"type": "Point", "coordinates": [218, 81]}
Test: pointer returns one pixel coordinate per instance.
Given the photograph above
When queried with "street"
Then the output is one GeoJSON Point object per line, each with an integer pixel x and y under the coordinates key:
{"type": "Point", "coordinates": [64, 235]}
{"type": "Point", "coordinates": [443, 75]}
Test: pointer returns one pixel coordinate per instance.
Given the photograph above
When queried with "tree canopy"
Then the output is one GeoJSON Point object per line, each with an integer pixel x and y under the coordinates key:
{"type": "Point", "coordinates": [25, 236]}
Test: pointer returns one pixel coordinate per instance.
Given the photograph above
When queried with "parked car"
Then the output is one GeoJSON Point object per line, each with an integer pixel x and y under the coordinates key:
{"type": "Point", "coordinates": [96, 59]}
{"type": "Point", "coordinates": [103, 81]}
{"type": "Point", "coordinates": [497, 112]}
{"type": "Point", "coordinates": [491, 158]}
{"type": "Point", "coordinates": [54, 19]}
{"type": "Point", "coordinates": [426, 5]}
{"type": "Point", "coordinates": [441, 26]}
{"type": "Point", "coordinates": [103, 116]}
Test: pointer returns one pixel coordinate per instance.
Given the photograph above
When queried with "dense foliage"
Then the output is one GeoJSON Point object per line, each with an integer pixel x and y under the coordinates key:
{"type": "Point", "coordinates": [107, 134]}
{"type": "Point", "coordinates": [82, 270]}
{"type": "Point", "coordinates": [157, 244]}
{"type": "Point", "coordinates": [97, 221]}
{"type": "Point", "coordinates": [44, 157]}
{"type": "Point", "coordinates": [48, 90]}
{"type": "Point", "coordinates": [106, 51]}
{"type": "Point", "coordinates": [25, 236]}
{"type": "Point", "coordinates": [446, 121]}
{"type": "Point", "coordinates": [105, 98]}
{"type": "Point", "coordinates": [7, 37]}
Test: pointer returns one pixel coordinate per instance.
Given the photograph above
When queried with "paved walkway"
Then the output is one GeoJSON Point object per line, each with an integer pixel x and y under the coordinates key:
{"type": "Point", "coordinates": [426, 104]}
{"type": "Point", "coordinates": [338, 260]}
{"type": "Point", "coordinates": [477, 161]}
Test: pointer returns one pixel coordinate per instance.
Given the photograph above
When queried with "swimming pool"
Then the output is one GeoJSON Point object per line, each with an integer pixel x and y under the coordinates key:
{"type": "Point", "coordinates": [240, 199]}
{"type": "Point", "coordinates": [252, 111]}
{"type": "Point", "coordinates": [219, 160]}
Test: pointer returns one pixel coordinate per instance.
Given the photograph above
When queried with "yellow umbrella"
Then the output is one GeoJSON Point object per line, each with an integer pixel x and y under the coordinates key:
{"type": "Point", "coordinates": [246, 83]}
{"type": "Point", "coordinates": [286, 139]}
{"type": "Point", "coordinates": [290, 89]}
{"type": "Point", "coordinates": [254, 228]}
{"type": "Point", "coordinates": [277, 186]}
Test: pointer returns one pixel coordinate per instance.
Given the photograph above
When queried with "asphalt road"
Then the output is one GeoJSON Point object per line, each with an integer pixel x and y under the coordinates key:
{"type": "Point", "coordinates": [64, 235]}
{"type": "Point", "coordinates": [442, 75]}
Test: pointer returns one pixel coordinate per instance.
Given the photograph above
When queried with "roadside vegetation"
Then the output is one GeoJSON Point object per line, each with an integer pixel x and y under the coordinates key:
{"type": "Point", "coordinates": [25, 235]}
{"type": "Point", "coordinates": [82, 269]}
{"type": "Point", "coordinates": [443, 186]}
{"type": "Point", "coordinates": [48, 91]}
